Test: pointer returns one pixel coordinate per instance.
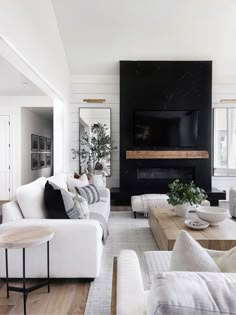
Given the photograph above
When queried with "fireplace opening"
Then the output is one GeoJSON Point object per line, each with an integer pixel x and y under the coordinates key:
{"type": "Point", "coordinates": [165, 173]}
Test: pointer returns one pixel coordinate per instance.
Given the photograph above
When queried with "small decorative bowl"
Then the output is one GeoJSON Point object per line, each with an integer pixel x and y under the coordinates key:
{"type": "Point", "coordinates": [196, 224]}
{"type": "Point", "coordinates": [213, 215]}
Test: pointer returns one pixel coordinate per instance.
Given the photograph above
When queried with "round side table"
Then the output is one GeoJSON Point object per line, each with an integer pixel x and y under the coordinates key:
{"type": "Point", "coordinates": [25, 237]}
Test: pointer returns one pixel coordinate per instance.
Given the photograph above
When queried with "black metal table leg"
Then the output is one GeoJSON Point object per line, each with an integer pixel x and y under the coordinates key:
{"type": "Point", "coordinates": [6, 257]}
{"type": "Point", "coordinates": [48, 267]}
{"type": "Point", "coordinates": [24, 291]}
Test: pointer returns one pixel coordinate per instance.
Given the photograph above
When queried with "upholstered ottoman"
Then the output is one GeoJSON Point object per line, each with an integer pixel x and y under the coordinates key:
{"type": "Point", "coordinates": [143, 203]}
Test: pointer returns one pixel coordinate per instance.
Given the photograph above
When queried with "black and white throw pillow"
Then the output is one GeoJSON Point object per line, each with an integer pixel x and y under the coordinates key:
{"type": "Point", "coordinates": [54, 201]}
{"type": "Point", "coordinates": [61, 204]}
{"type": "Point", "coordinates": [89, 193]}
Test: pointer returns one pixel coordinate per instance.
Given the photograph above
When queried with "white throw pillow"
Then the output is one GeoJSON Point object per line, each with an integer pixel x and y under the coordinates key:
{"type": "Point", "coordinates": [31, 199]}
{"type": "Point", "coordinates": [60, 180]}
{"type": "Point", "coordinates": [81, 207]}
{"type": "Point", "coordinates": [73, 182]}
{"type": "Point", "coordinates": [98, 181]}
{"type": "Point", "coordinates": [189, 255]}
{"type": "Point", "coordinates": [227, 261]}
{"type": "Point", "coordinates": [192, 293]}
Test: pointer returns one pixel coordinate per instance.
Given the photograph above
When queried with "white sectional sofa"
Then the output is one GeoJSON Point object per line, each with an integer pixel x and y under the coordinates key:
{"type": "Point", "coordinates": [75, 250]}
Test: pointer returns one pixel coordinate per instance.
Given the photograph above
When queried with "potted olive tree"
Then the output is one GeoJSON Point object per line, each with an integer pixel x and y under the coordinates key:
{"type": "Point", "coordinates": [182, 195]}
{"type": "Point", "coordinates": [95, 147]}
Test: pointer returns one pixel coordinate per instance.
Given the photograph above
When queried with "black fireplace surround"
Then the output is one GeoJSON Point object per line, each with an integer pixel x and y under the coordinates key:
{"type": "Point", "coordinates": [164, 86]}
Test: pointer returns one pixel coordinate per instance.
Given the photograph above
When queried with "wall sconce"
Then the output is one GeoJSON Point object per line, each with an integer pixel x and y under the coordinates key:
{"type": "Point", "coordinates": [94, 100]}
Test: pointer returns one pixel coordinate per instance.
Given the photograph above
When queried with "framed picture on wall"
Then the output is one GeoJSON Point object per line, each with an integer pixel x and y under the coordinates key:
{"type": "Point", "coordinates": [34, 161]}
{"type": "Point", "coordinates": [42, 160]}
{"type": "Point", "coordinates": [48, 144]}
{"type": "Point", "coordinates": [48, 160]}
{"type": "Point", "coordinates": [42, 144]}
{"type": "Point", "coordinates": [34, 143]}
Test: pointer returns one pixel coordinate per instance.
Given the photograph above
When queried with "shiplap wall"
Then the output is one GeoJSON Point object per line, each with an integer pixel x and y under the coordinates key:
{"type": "Point", "coordinates": [106, 87]}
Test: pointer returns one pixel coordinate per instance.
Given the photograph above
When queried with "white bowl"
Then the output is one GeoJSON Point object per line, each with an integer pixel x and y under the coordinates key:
{"type": "Point", "coordinates": [213, 215]}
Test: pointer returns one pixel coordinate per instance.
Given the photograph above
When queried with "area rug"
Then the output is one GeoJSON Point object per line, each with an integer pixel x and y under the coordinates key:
{"type": "Point", "coordinates": [125, 233]}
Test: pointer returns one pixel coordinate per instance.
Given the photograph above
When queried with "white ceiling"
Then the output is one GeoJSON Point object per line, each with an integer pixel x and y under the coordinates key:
{"type": "Point", "coordinates": [97, 34]}
{"type": "Point", "coordinates": [13, 83]}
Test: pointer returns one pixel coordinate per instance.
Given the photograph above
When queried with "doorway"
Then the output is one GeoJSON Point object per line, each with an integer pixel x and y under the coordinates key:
{"type": "Point", "coordinates": [4, 157]}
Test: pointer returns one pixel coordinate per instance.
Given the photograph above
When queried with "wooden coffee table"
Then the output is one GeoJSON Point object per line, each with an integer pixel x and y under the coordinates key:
{"type": "Point", "coordinates": [165, 226]}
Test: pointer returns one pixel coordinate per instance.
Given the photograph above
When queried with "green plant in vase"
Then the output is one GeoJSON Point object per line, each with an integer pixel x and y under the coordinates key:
{"type": "Point", "coordinates": [182, 195]}
{"type": "Point", "coordinates": [95, 147]}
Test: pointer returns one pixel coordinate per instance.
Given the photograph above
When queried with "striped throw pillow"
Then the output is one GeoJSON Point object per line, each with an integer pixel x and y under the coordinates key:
{"type": "Point", "coordinates": [80, 209]}
{"type": "Point", "coordinates": [89, 193]}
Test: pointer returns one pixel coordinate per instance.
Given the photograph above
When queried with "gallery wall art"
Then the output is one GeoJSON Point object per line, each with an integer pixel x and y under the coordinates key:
{"type": "Point", "coordinates": [41, 152]}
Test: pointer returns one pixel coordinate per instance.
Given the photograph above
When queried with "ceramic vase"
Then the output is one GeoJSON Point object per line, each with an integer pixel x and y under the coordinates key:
{"type": "Point", "coordinates": [182, 210]}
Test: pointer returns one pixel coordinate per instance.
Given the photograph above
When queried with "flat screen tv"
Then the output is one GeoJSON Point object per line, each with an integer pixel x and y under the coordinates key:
{"type": "Point", "coordinates": [166, 129]}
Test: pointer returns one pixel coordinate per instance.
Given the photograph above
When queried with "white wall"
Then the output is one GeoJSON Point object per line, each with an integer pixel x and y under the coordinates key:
{"type": "Point", "coordinates": [108, 87]}
{"type": "Point", "coordinates": [97, 87]}
{"type": "Point", "coordinates": [12, 105]}
{"type": "Point", "coordinates": [30, 29]}
{"type": "Point", "coordinates": [58, 131]}
{"type": "Point", "coordinates": [32, 123]}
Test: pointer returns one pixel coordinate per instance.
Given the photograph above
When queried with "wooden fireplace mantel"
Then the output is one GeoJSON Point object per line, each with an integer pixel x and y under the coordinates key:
{"type": "Point", "coordinates": [173, 154]}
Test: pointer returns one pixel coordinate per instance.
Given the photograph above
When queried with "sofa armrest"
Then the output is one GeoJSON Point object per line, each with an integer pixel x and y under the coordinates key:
{"type": "Point", "coordinates": [104, 192]}
{"type": "Point", "coordinates": [130, 291]}
{"type": "Point", "coordinates": [11, 212]}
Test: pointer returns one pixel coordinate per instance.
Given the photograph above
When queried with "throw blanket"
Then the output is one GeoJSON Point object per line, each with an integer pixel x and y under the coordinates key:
{"type": "Point", "coordinates": [103, 223]}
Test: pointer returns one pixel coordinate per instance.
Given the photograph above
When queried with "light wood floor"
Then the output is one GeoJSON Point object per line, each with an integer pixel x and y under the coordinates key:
{"type": "Point", "coordinates": [67, 296]}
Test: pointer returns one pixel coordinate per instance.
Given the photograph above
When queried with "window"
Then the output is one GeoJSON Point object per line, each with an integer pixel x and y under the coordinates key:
{"type": "Point", "coordinates": [225, 141]}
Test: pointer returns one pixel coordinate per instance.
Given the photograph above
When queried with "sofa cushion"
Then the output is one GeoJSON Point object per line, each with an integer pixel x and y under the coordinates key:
{"type": "Point", "coordinates": [57, 201]}
{"type": "Point", "coordinates": [192, 293]}
{"type": "Point", "coordinates": [81, 182]}
{"type": "Point", "coordinates": [101, 207]}
{"type": "Point", "coordinates": [189, 255]}
{"type": "Point", "coordinates": [89, 193]}
{"type": "Point", "coordinates": [60, 180]}
{"type": "Point", "coordinates": [30, 198]}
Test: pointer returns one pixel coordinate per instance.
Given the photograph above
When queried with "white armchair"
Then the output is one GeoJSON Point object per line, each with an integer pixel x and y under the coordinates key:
{"type": "Point", "coordinates": [216, 290]}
